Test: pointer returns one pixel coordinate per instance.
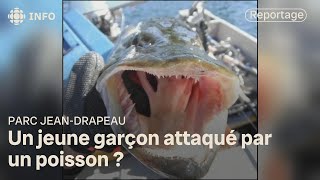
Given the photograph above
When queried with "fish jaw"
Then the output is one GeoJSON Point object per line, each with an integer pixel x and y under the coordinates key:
{"type": "Point", "coordinates": [194, 99]}
{"type": "Point", "coordinates": [160, 78]}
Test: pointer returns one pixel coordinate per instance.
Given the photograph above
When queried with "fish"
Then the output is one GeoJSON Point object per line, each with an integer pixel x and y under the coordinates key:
{"type": "Point", "coordinates": [160, 78]}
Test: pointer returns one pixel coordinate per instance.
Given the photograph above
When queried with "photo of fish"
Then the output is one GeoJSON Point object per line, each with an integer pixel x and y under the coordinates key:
{"type": "Point", "coordinates": [162, 81]}
{"type": "Point", "coordinates": [194, 72]}
{"type": "Point", "coordinates": [163, 89]}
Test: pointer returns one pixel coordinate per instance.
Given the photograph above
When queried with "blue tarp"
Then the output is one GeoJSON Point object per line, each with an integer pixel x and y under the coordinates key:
{"type": "Point", "coordinates": [79, 37]}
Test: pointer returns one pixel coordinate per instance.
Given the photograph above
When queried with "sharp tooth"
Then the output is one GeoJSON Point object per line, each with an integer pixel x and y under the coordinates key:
{"type": "Point", "coordinates": [241, 80]}
{"type": "Point", "coordinates": [195, 81]}
{"type": "Point", "coordinates": [124, 100]}
{"type": "Point", "coordinates": [129, 110]}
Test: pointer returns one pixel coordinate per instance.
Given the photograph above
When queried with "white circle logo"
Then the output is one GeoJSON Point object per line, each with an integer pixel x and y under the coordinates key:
{"type": "Point", "coordinates": [16, 16]}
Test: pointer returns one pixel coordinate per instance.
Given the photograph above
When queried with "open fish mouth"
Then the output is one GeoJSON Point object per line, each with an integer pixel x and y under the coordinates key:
{"type": "Point", "coordinates": [166, 100]}
{"type": "Point", "coordinates": [167, 87]}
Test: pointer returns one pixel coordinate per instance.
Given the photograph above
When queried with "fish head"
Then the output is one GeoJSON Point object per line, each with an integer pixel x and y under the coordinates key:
{"type": "Point", "coordinates": [162, 81]}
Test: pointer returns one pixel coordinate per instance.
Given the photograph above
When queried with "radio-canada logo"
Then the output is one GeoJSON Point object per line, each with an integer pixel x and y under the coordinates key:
{"type": "Point", "coordinates": [16, 16]}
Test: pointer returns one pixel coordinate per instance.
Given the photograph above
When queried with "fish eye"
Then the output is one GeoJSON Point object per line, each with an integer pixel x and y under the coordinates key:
{"type": "Point", "coordinates": [143, 40]}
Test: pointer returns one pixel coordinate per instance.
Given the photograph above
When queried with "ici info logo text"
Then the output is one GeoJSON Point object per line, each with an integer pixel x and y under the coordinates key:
{"type": "Point", "coordinates": [17, 16]}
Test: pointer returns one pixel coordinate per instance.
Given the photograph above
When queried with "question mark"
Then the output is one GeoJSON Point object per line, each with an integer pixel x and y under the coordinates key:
{"type": "Point", "coordinates": [119, 156]}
